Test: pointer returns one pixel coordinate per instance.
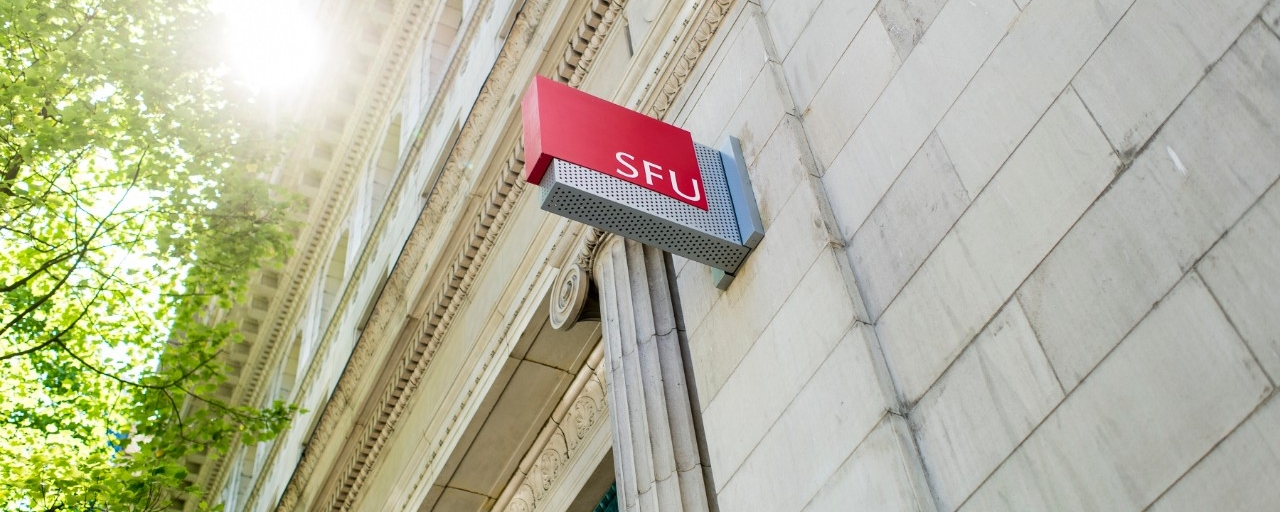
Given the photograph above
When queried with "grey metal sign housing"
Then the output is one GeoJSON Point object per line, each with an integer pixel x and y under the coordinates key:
{"type": "Point", "coordinates": [720, 237]}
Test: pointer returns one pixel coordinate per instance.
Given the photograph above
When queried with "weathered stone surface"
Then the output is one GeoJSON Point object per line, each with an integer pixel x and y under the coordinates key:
{"type": "Point", "coordinates": [837, 408]}
{"type": "Point", "coordinates": [821, 45]}
{"type": "Point", "coordinates": [877, 476]}
{"type": "Point", "coordinates": [697, 293]}
{"type": "Point", "coordinates": [797, 341]}
{"type": "Point", "coordinates": [1271, 15]}
{"type": "Point", "coordinates": [1044, 49]}
{"type": "Point", "coordinates": [1057, 172]}
{"type": "Point", "coordinates": [960, 39]}
{"type": "Point", "coordinates": [711, 107]}
{"type": "Point", "coordinates": [454, 499]}
{"type": "Point", "coordinates": [781, 165]}
{"type": "Point", "coordinates": [907, 20]}
{"type": "Point", "coordinates": [764, 283]}
{"type": "Point", "coordinates": [995, 393]}
{"type": "Point", "coordinates": [1213, 159]}
{"type": "Point", "coordinates": [914, 215]}
{"type": "Point", "coordinates": [851, 89]}
{"type": "Point", "coordinates": [1240, 474]}
{"type": "Point", "coordinates": [787, 21]}
{"type": "Point", "coordinates": [757, 115]}
{"type": "Point", "coordinates": [1152, 59]}
{"type": "Point", "coordinates": [1179, 383]}
{"type": "Point", "coordinates": [1243, 271]}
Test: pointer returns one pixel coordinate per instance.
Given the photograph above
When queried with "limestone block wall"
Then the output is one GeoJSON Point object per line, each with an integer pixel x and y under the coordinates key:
{"type": "Point", "coordinates": [1020, 255]}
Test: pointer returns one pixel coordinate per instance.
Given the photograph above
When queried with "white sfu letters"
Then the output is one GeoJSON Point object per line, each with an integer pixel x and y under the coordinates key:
{"type": "Point", "coordinates": [650, 175]}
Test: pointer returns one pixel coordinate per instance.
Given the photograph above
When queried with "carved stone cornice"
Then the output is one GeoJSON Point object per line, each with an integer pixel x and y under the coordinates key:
{"type": "Point", "coordinates": [450, 294]}
{"type": "Point", "coordinates": [342, 400]}
{"type": "Point", "coordinates": [706, 20]}
{"type": "Point", "coordinates": [419, 338]}
{"type": "Point", "coordinates": [369, 112]}
{"type": "Point", "coordinates": [423, 332]}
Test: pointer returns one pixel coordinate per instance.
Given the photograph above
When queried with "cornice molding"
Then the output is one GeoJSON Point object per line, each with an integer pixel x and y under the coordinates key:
{"type": "Point", "coordinates": [423, 332]}
{"type": "Point", "coordinates": [687, 49]}
{"type": "Point", "coordinates": [420, 332]}
{"type": "Point", "coordinates": [354, 147]}
{"type": "Point", "coordinates": [345, 488]}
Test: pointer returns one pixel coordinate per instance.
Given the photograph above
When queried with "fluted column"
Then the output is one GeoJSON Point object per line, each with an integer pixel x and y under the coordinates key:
{"type": "Point", "coordinates": [655, 445]}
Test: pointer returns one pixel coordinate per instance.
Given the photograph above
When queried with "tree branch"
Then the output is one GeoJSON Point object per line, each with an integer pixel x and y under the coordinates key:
{"type": "Point", "coordinates": [43, 267]}
{"type": "Point", "coordinates": [83, 251]}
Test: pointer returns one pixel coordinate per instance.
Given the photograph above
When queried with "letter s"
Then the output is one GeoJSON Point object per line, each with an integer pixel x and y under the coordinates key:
{"type": "Point", "coordinates": [634, 173]}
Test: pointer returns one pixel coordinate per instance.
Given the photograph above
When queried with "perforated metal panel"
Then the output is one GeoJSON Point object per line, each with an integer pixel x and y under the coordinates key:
{"type": "Point", "coordinates": [708, 236]}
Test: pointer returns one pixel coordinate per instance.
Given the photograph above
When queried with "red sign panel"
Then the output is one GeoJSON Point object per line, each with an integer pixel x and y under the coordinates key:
{"type": "Point", "coordinates": [567, 124]}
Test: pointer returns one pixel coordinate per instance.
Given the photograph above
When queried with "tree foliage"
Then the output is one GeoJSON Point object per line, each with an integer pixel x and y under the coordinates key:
{"type": "Point", "coordinates": [130, 212]}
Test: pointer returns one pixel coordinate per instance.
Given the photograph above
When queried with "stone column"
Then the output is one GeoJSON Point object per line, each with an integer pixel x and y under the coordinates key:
{"type": "Point", "coordinates": [655, 446]}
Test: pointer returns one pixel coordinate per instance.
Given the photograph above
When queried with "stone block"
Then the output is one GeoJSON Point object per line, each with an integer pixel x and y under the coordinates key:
{"type": "Point", "coordinates": [720, 47]}
{"type": "Point", "coordinates": [788, 19]}
{"type": "Point", "coordinates": [851, 89]}
{"type": "Point", "coordinates": [697, 293]}
{"type": "Point", "coordinates": [877, 476]}
{"type": "Point", "coordinates": [1271, 15]}
{"type": "Point", "coordinates": [1152, 59]}
{"type": "Point", "coordinates": [824, 40]}
{"type": "Point", "coordinates": [997, 391]}
{"type": "Point", "coordinates": [960, 39]}
{"type": "Point", "coordinates": [758, 114]}
{"type": "Point", "coordinates": [763, 284]}
{"type": "Point", "coordinates": [907, 20]}
{"type": "Point", "coordinates": [779, 167]}
{"type": "Point", "coordinates": [837, 408]}
{"type": "Point", "coordinates": [454, 499]}
{"type": "Point", "coordinates": [1243, 271]}
{"type": "Point", "coordinates": [913, 216]}
{"type": "Point", "coordinates": [1178, 384]}
{"type": "Point", "coordinates": [1052, 178]}
{"type": "Point", "coordinates": [712, 106]}
{"type": "Point", "coordinates": [797, 341]}
{"type": "Point", "coordinates": [1044, 49]}
{"type": "Point", "coordinates": [1240, 474]}
{"type": "Point", "coordinates": [1213, 158]}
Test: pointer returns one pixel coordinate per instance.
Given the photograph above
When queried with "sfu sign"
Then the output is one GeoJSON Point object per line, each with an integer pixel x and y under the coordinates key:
{"type": "Point", "coordinates": [563, 123]}
{"type": "Point", "coordinates": [638, 177]}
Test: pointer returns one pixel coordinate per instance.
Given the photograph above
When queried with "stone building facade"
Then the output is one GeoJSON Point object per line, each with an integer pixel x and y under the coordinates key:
{"type": "Point", "coordinates": [1019, 255]}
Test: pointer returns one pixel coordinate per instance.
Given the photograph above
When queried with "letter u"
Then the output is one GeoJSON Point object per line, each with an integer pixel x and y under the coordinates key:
{"type": "Point", "coordinates": [675, 185]}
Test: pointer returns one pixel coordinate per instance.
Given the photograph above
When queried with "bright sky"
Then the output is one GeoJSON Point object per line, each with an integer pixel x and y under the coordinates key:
{"type": "Point", "coordinates": [273, 46]}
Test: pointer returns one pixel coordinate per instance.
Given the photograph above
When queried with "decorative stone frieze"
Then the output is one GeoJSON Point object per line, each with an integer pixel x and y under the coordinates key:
{"type": "Point", "coordinates": [560, 447]}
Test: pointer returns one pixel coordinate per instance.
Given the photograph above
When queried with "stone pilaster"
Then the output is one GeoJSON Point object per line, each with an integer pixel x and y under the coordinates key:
{"type": "Point", "coordinates": [655, 445]}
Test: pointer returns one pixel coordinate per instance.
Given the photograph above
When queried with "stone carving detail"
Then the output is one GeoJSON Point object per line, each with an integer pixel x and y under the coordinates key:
{"type": "Point", "coordinates": [591, 244]}
{"type": "Point", "coordinates": [584, 417]}
{"type": "Point", "coordinates": [708, 23]}
{"type": "Point", "coordinates": [569, 296]}
{"type": "Point", "coordinates": [549, 461]}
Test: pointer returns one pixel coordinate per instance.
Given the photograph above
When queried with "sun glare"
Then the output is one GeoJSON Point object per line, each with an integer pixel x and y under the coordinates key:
{"type": "Point", "coordinates": [272, 46]}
